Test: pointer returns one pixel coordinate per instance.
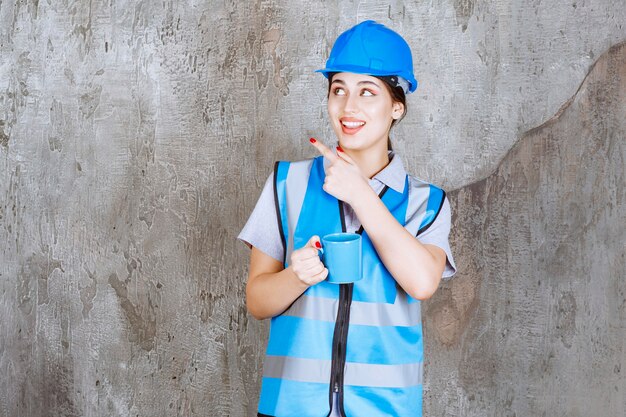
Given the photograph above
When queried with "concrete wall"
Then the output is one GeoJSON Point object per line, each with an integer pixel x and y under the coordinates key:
{"type": "Point", "coordinates": [135, 138]}
{"type": "Point", "coordinates": [535, 323]}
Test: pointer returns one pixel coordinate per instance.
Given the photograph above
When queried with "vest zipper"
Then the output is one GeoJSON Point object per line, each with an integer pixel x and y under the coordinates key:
{"type": "Point", "coordinates": [340, 338]}
{"type": "Point", "coordinates": [340, 335]}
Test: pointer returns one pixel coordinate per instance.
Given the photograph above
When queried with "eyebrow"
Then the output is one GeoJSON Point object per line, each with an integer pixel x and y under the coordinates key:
{"type": "Point", "coordinates": [340, 81]}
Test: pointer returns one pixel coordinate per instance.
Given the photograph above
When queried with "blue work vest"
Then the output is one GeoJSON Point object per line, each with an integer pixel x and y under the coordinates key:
{"type": "Point", "coordinates": [361, 340]}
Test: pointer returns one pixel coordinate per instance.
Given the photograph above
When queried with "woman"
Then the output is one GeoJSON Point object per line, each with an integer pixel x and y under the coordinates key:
{"type": "Point", "coordinates": [350, 349]}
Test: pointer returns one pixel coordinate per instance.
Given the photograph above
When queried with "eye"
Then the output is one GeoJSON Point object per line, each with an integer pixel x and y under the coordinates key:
{"type": "Point", "coordinates": [338, 91]}
{"type": "Point", "coordinates": [367, 93]}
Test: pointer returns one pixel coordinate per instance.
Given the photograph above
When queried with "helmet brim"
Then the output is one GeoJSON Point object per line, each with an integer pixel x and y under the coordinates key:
{"type": "Point", "coordinates": [366, 71]}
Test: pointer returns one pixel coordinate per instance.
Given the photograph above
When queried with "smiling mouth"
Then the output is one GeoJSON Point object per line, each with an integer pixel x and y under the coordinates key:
{"type": "Point", "coordinates": [350, 127]}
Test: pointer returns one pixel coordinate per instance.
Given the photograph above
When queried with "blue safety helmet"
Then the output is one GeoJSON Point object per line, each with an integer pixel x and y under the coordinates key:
{"type": "Point", "coordinates": [372, 49]}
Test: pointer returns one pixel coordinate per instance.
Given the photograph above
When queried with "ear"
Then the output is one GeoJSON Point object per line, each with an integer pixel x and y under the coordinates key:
{"type": "Point", "coordinates": [397, 110]}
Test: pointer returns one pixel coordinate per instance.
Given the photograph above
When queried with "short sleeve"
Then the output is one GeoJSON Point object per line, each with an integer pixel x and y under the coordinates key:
{"type": "Point", "coordinates": [437, 234]}
{"type": "Point", "coordinates": [261, 229]}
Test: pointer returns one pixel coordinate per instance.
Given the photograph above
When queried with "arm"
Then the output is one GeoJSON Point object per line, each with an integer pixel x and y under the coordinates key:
{"type": "Point", "coordinates": [416, 267]}
{"type": "Point", "coordinates": [271, 289]}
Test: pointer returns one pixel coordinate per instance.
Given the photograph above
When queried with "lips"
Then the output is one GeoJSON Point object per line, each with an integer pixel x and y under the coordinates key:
{"type": "Point", "coordinates": [350, 126]}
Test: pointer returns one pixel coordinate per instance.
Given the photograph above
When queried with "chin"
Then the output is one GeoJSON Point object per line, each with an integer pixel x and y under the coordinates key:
{"type": "Point", "coordinates": [350, 142]}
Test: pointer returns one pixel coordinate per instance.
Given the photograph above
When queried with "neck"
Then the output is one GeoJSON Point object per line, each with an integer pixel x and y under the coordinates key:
{"type": "Point", "coordinates": [370, 163]}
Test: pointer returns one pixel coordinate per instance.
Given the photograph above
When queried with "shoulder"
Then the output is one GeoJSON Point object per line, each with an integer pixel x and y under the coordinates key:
{"type": "Point", "coordinates": [415, 183]}
{"type": "Point", "coordinates": [302, 162]}
{"type": "Point", "coordinates": [286, 169]}
{"type": "Point", "coordinates": [418, 184]}
{"type": "Point", "coordinates": [426, 203]}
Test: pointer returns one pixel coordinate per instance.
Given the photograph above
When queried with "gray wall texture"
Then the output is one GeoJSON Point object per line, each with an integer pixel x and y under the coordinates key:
{"type": "Point", "coordinates": [135, 138]}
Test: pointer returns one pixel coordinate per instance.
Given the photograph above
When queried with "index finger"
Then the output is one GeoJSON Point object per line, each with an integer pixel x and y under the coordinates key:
{"type": "Point", "coordinates": [324, 150]}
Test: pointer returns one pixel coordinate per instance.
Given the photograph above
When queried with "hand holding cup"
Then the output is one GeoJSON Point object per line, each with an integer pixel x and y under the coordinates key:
{"type": "Point", "coordinates": [306, 263]}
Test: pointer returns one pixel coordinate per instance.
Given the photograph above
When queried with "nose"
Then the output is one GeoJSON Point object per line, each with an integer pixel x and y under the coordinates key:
{"type": "Point", "coordinates": [351, 104]}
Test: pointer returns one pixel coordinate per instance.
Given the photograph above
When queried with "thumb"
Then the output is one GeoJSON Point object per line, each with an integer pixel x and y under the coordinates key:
{"type": "Point", "coordinates": [315, 242]}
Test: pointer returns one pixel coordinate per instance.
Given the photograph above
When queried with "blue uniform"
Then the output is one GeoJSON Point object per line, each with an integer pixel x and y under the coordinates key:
{"type": "Point", "coordinates": [361, 342]}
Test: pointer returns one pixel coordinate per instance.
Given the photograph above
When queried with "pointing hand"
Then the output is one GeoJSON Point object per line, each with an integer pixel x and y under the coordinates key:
{"type": "Point", "coordinates": [344, 179]}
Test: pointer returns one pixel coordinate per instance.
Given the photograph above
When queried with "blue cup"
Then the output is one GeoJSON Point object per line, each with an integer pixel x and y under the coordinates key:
{"type": "Point", "coordinates": [341, 254]}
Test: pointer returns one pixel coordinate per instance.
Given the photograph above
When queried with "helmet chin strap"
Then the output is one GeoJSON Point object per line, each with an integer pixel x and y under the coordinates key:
{"type": "Point", "coordinates": [404, 84]}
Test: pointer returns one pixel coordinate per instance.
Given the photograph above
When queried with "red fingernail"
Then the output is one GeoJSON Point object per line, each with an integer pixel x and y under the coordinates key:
{"type": "Point", "coordinates": [339, 149]}
{"type": "Point", "coordinates": [312, 140]}
{"type": "Point", "coordinates": [318, 245]}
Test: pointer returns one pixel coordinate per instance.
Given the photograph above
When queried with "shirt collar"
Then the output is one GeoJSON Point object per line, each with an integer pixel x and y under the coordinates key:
{"type": "Point", "coordinates": [393, 175]}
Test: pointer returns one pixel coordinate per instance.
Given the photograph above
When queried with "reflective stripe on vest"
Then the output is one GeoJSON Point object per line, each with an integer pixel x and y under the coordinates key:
{"type": "Point", "coordinates": [357, 374]}
{"type": "Point", "coordinates": [384, 350]}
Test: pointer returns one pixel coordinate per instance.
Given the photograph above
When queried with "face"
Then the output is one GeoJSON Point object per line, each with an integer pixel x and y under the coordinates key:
{"type": "Point", "coordinates": [361, 110]}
